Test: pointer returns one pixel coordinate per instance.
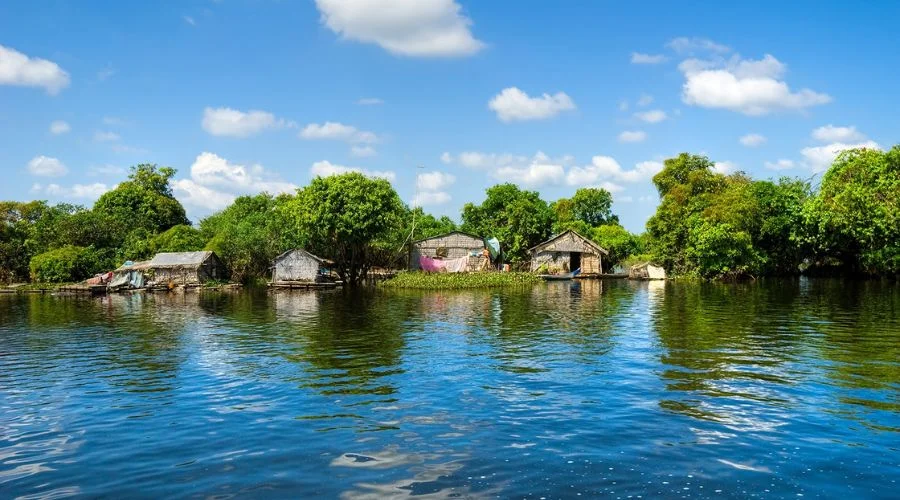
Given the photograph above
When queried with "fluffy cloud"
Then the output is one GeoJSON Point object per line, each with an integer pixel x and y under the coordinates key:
{"type": "Point", "coordinates": [76, 191]}
{"type": "Point", "coordinates": [536, 174]}
{"type": "Point", "coordinates": [326, 168]}
{"type": "Point", "coordinates": [639, 58]}
{"type": "Point", "coordinates": [752, 140]}
{"type": "Point", "coordinates": [215, 182]}
{"type": "Point", "coordinates": [608, 169]}
{"type": "Point", "coordinates": [781, 164]}
{"type": "Point", "coordinates": [337, 131]}
{"type": "Point", "coordinates": [686, 45]}
{"type": "Point", "coordinates": [45, 166]}
{"type": "Point", "coordinates": [645, 100]}
{"type": "Point", "coordinates": [724, 167]}
{"type": "Point", "coordinates": [434, 181]}
{"type": "Point", "coordinates": [830, 133]}
{"type": "Point", "coordinates": [819, 158]}
{"type": "Point", "coordinates": [652, 116]}
{"type": "Point", "coordinates": [431, 198]}
{"type": "Point", "coordinates": [751, 87]}
{"type": "Point", "coordinates": [446, 158]}
{"type": "Point", "coordinates": [227, 122]}
{"type": "Point", "coordinates": [418, 28]}
{"type": "Point", "coordinates": [59, 127]}
{"type": "Point", "coordinates": [101, 136]}
{"type": "Point", "coordinates": [511, 104]}
{"type": "Point", "coordinates": [369, 101]}
{"type": "Point", "coordinates": [20, 70]}
{"type": "Point", "coordinates": [632, 136]}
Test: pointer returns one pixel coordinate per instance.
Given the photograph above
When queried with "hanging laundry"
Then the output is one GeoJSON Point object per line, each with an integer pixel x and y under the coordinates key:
{"type": "Point", "coordinates": [430, 265]}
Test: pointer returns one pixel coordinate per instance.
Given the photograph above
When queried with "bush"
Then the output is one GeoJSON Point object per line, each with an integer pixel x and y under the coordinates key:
{"type": "Point", "coordinates": [453, 281]}
{"type": "Point", "coordinates": [67, 264]}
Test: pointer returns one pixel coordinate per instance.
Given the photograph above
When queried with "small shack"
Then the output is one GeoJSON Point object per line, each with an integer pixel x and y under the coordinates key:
{"type": "Point", "coordinates": [186, 268]}
{"type": "Point", "coordinates": [567, 252]}
{"type": "Point", "coordinates": [455, 251]}
{"type": "Point", "coordinates": [129, 275]}
{"type": "Point", "coordinates": [298, 265]}
{"type": "Point", "coordinates": [646, 271]}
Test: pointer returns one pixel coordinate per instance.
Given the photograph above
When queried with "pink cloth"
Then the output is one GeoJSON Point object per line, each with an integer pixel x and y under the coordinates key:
{"type": "Point", "coordinates": [430, 265]}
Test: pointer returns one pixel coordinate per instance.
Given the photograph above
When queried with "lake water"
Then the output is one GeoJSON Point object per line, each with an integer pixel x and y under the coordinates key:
{"type": "Point", "coordinates": [621, 389]}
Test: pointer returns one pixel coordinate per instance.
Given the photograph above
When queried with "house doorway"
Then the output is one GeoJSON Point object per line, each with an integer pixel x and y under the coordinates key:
{"type": "Point", "coordinates": [574, 260]}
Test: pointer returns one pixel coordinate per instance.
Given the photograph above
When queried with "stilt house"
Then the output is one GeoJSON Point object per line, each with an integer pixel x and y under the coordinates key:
{"type": "Point", "coordinates": [567, 252]}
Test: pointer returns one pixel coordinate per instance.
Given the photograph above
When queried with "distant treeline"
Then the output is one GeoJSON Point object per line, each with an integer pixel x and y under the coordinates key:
{"type": "Point", "coordinates": [707, 225]}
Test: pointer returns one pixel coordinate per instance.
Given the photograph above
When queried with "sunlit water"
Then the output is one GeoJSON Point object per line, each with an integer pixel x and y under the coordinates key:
{"type": "Point", "coordinates": [620, 389]}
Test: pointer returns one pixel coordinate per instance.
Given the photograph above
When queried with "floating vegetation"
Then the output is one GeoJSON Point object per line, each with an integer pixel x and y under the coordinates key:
{"type": "Point", "coordinates": [456, 281]}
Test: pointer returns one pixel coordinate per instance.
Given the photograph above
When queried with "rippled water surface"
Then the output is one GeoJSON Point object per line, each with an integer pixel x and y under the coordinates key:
{"type": "Point", "coordinates": [779, 389]}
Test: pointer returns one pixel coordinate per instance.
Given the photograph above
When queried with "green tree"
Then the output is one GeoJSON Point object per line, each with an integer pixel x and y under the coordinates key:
{"type": "Point", "coordinates": [145, 201]}
{"type": "Point", "coordinates": [593, 206]}
{"type": "Point", "coordinates": [343, 217]}
{"type": "Point", "coordinates": [519, 219]}
{"type": "Point", "coordinates": [66, 264]}
{"type": "Point", "coordinates": [248, 234]}
{"type": "Point", "coordinates": [618, 241]}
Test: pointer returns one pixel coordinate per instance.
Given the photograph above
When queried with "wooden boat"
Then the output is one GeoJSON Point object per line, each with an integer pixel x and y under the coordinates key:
{"type": "Point", "coordinates": [560, 277]}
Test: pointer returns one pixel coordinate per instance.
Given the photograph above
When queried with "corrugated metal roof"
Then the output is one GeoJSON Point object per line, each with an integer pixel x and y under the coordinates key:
{"type": "Point", "coordinates": [578, 236]}
{"type": "Point", "coordinates": [179, 259]}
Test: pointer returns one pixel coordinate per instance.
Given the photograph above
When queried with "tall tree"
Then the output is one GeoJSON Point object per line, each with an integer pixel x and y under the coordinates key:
{"type": "Point", "coordinates": [145, 201]}
{"type": "Point", "coordinates": [519, 219]}
{"type": "Point", "coordinates": [343, 217]}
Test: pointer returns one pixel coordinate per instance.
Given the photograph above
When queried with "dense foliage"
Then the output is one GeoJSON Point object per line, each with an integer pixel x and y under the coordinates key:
{"type": "Point", "coordinates": [343, 216]}
{"type": "Point", "coordinates": [708, 224]}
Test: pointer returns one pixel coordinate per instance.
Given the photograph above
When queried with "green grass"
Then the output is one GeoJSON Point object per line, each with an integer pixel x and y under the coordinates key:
{"type": "Point", "coordinates": [458, 281]}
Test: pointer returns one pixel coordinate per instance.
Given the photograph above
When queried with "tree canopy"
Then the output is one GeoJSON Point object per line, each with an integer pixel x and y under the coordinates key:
{"type": "Point", "coordinates": [519, 219]}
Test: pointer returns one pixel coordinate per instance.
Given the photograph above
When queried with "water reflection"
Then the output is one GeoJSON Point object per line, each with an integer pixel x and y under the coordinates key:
{"type": "Point", "coordinates": [608, 388]}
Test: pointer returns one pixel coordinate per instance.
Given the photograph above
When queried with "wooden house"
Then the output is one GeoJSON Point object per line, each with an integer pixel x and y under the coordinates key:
{"type": "Point", "coordinates": [567, 252]}
{"type": "Point", "coordinates": [298, 265]}
{"type": "Point", "coordinates": [456, 247]}
{"type": "Point", "coordinates": [185, 268]}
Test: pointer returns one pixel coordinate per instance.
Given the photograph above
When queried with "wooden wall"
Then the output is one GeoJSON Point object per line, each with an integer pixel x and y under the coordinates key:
{"type": "Point", "coordinates": [295, 266]}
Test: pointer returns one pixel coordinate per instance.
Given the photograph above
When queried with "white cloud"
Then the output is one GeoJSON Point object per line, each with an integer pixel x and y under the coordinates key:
{"type": "Point", "coordinates": [751, 87]}
{"type": "Point", "coordinates": [623, 105]}
{"type": "Point", "coordinates": [686, 45]}
{"type": "Point", "coordinates": [781, 164]}
{"type": "Point", "coordinates": [632, 136]}
{"type": "Point", "coordinates": [645, 100]}
{"type": "Point", "coordinates": [532, 175]}
{"type": "Point", "coordinates": [652, 116]}
{"type": "Point", "coordinates": [362, 151]}
{"type": "Point", "coordinates": [101, 136]}
{"type": "Point", "coordinates": [419, 28]}
{"type": "Point", "coordinates": [434, 181]}
{"type": "Point", "coordinates": [227, 122]}
{"type": "Point", "coordinates": [215, 182]}
{"type": "Point", "coordinates": [639, 58]}
{"type": "Point", "coordinates": [752, 140]}
{"type": "Point", "coordinates": [819, 158]}
{"type": "Point", "coordinates": [326, 168]}
{"type": "Point", "coordinates": [59, 127]}
{"type": "Point", "coordinates": [20, 70]}
{"type": "Point", "coordinates": [190, 20]}
{"type": "Point", "coordinates": [76, 191]}
{"type": "Point", "coordinates": [607, 168]}
{"type": "Point", "coordinates": [45, 166]}
{"type": "Point", "coordinates": [431, 198]}
{"type": "Point", "coordinates": [830, 133]}
{"type": "Point", "coordinates": [724, 167]}
{"type": "Point", "coordinates": [337, 131]}
{"type": "Point", "coordinates": [511, 104]}
{"type": "Point", "coordinates": [446, 158]}
{"type": "Point", "coordinates": [369, 101]}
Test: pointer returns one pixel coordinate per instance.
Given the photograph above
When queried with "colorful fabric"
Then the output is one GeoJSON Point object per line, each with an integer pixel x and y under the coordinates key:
{"type": "Point", "coordinates": [430, 265]}
{"type": "Point", "coordinates": [457, 265]}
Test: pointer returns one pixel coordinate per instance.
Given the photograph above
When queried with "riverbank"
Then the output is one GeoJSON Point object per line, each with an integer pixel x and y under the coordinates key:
{"type": "Point", "coordinates": [459, 281]}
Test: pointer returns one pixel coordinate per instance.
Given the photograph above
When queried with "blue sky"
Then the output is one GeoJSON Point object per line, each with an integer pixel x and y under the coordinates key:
{"type": "Point", "coordinates": [244, 96]}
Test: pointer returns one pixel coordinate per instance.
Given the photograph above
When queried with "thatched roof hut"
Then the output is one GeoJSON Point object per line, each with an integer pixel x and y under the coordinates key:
{"type": "Point", "coordinates": [567, 252]}
{"type": "Point", "coordinates": [186, 268]}
{"type": "Point", "coordinates": [297, 265]}
{"type": "Point", "coordinates": [463, 251]}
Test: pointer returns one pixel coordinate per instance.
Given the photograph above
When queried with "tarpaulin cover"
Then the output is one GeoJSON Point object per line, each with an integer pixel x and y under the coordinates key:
{"type": "Point", "coordinates": [493, 245]}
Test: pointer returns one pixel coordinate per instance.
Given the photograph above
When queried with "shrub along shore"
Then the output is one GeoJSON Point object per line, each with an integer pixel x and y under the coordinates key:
{"type": "Point", "coordinates": [459, 281]}
{"type": "Point", "coordinates": [708, 225]}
